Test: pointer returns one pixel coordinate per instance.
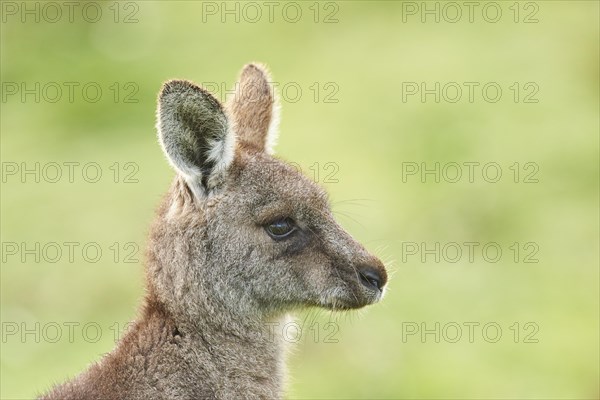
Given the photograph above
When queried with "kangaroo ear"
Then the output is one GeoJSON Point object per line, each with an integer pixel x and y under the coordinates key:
{"type": "Point", "coordinates": [254, 109]}
{"type": "Point", "coordinates": [194, 133]}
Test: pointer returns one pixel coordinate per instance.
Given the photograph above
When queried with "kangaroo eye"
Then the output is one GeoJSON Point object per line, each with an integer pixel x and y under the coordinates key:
{"type": "Point", "coordinates": [281, 228]}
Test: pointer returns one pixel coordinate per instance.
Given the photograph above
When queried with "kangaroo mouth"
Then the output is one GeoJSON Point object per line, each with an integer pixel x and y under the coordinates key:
{"type": "Point", "coordinates": [350, 298]}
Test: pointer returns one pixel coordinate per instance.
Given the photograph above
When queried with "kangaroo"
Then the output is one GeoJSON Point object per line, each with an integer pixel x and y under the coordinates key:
{"type": "Point", "coordinates": [240, 240]}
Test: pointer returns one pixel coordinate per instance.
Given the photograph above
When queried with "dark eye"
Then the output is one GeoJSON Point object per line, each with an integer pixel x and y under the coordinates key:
{"type": "Point", "coordinates": [281, 228]}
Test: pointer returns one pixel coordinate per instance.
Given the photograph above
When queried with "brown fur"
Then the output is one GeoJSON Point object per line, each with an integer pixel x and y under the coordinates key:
{"type": "Point", "coordinates": [215, 278]}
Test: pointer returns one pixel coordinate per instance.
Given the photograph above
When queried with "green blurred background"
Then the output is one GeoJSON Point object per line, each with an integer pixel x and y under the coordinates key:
{"type": "Point", "coordinates": [351, 61]}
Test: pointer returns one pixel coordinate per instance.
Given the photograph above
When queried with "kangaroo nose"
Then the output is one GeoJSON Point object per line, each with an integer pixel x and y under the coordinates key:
{"type": "Point", "coordinates": [371, 277]}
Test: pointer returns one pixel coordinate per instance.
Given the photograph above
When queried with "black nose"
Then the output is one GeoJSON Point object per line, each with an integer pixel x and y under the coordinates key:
{"type": "Point", "coordinates": [370, 277]}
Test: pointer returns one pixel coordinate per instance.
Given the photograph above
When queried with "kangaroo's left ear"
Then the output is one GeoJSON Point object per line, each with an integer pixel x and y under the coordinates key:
{"type": "Point", "coordinates": [195, 135]}
{"type": "Point", "coordinates": [254, 109]}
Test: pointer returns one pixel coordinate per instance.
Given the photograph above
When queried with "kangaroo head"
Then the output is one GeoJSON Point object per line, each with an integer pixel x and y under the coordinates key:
{"type": "Point", "coordinates": [241, 231]}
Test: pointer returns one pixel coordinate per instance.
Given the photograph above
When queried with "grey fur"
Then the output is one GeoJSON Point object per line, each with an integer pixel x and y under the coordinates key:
{"type": "Point", "coordinates": [215, 279]}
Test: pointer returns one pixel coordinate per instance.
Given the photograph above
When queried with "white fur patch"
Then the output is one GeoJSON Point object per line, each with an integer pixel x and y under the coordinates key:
{"type": "Point", "coordinates": [222, 152]}
{"type": "Point", "coordinates": [273, 132]}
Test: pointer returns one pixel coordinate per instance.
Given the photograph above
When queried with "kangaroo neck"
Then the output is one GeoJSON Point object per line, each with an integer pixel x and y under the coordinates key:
{"type": "Point", "coordinates": [238, 360]}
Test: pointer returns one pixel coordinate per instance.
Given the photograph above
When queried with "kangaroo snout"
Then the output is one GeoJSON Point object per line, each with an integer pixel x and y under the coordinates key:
{"type": "Point", "coordinates": [373, 277]}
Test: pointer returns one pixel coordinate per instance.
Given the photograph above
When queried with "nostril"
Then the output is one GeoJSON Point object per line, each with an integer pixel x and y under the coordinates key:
{"type": "Point", "coordinates": [370, 277]}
